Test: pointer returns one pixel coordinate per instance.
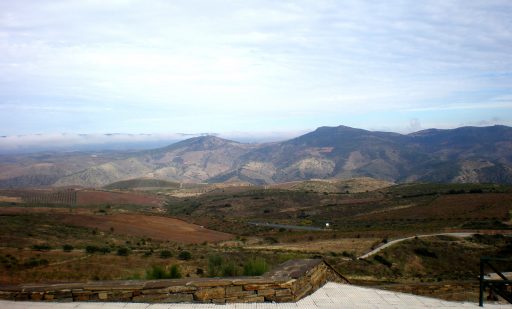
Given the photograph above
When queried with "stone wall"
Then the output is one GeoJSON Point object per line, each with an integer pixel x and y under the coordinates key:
{"type": "Point", "coordinates": [289, 282]}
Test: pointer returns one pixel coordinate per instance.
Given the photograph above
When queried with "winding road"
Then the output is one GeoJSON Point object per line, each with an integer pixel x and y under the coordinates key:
{"type": "Point", "coordinates": [395, 241]}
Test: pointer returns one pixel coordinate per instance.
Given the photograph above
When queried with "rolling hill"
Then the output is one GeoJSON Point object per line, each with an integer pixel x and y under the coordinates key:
{"type": "Point", "coordinates": [462, 155]}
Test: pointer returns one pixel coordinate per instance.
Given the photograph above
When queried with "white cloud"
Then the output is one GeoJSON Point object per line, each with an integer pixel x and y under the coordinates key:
{"type": "Point", "coordinates": [250, 59]}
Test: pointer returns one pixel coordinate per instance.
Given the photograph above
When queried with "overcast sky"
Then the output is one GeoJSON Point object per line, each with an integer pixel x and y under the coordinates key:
{"type": "Point", "coordinates": [147, 66]}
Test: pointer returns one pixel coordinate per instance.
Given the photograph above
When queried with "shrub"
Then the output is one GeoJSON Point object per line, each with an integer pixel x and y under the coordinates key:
{"type": "Point", "coordinates": [104, 250]}
{"type": "Point", "coordinates": [34, 262]}
{"type": "Point", "coordinates": [43, 247]}
{"type": "Point", "coordinates": [382, 260]}
{"type": "Point", "coordinates": [255, 267]}
{"type": "Point", "coordinates": [174, 272]}
{"type": "Point", "coordinates": [158, 272]}
{"type": "Point", "coordinates": [185, 255]}
{"type": "Point", "coordinates": [229, 270]}
{"type": "Point", "coordinates": [425, 252]}
{"type": "Point", "coordinates": [165, 254]}
{"type": "Point", "coordinates": [215, 263]}
{"type": "Point", "coordinates": [67, 248]}
{"type": "Point", "coordinates": [271, 240]}
{"type": "Point", "coordinates": [91, 249]}
{"type": "Point", "coordinates": [348, 254]}
{"type": "Point", "coordinates": [123, 251]}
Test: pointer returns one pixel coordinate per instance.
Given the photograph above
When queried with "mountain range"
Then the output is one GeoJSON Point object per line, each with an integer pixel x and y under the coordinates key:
{"type": "Point", "coordinates": [466, 154]}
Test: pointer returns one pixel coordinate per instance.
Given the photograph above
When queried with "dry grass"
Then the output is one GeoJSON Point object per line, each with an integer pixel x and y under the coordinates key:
{"type": "Point", "coordinates": [78, 266]}
{"type": "Point", "coordinates": [11, 199]}
{"type": "Point", "coordinates": [356, 246]}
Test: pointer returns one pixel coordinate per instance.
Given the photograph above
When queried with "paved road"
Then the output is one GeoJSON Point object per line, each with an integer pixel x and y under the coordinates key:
{"type": "Point", "coordinates": [330, 296]}
{"type": "Point", "coordinates": [289, 227]}
{"type": "Point", "coordinates": [395, 241]}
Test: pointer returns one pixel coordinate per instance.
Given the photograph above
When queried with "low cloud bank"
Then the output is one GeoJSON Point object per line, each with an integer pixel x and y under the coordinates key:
{"type": "Point", "coordinates": [120, 141]}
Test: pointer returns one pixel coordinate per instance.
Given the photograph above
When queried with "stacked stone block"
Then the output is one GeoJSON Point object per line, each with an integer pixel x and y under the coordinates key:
{"type": "Point", "coordinates": [289, 282]}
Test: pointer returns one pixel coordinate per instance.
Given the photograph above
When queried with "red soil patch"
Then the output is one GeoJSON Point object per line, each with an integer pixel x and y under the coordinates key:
{"type": "Point", "coordinates": [469, 206]}
{"type": "Point", "coordinates": [156, 227]}
{"type": "Point", "coordinates": [92, 197]}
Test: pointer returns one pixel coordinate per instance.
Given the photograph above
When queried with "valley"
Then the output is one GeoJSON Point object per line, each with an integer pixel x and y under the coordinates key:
{"type": "Point", "coordinates": [128, 230]}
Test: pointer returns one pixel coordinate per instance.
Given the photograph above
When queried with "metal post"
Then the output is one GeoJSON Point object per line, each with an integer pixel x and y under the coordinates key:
{"type": "Point", "coordinates": [481, 298]}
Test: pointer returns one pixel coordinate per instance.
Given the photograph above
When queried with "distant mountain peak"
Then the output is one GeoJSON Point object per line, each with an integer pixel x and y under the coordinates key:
{"type": "Point", "coordinates": [204, 142]}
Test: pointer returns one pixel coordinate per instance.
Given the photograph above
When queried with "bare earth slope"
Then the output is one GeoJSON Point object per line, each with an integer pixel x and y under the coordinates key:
{"type": "Point", "coordinates": [462, 155]}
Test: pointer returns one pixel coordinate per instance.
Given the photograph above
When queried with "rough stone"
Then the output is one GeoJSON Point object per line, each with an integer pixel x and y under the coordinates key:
{"type": "Point", "coordinates": [209, 293]}
{"type": "Point", "coordinates": [113, 285]}
{"type": "Point", "coordinates": [253, 280]}
{"type": "Point", "coordinates": [167, 298]}
{"type": "Point", "coordinates": [266, 292]}
{"type": "Point", "coordinates": [248, 299]}
{"type": "Point", "coordinates": [6, 295]}
{"type": "Point", "coordinates": [210, 282]}
{"type": "Point", "coordinates": [181, 289]}
{"type": "Point", "coordinates": [166, 283]}
{"type": "Point", "coordinates": [63, 294]}
{"type": "Point", "coordinates": [49, 296]}
{"type": "Point", "coordinates": [155, 291]}
{"type": "Point", "coordinates": [284, 299]}
{"type": "Point", "coordinates": [21, 296]}
{"type": "Point", "coordinates": [121, 296]}
{"type": "Point", "coordinates": [36, 295]}
{"type": "Point", "coordinates": [82, 296]}
{"type": "Point", "coordinates": [180, 298]}
{"type": "Point", "coordinates": [283, 292]}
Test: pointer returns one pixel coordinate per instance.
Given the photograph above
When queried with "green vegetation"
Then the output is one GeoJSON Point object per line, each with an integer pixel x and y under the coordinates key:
{"type": "Point", "coordinates": [184, 255]}
{"type": "Point", "coordinates": [165, 254]}
{"type": "Point", "coordinates": [43, 247]}
{"type": "Point", "coordinates": [215, 265]}
{"type": "Point", "coordinates": [158, 272]}
{"type": "Point", "coordinates": [123, 251]}
{"type": "Point", "coordinates": [358, 221]}
{"type": "Point", "coordinates": [255, 267]}
{"type": "Point", "coordinates": [95, 249]}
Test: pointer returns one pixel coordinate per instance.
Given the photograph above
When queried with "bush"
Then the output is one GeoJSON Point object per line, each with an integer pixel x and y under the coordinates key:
{"type": "Point", "coordinates": [34, 262]}
{"type": "Point", "coordinates": [43, 247]}
{"type": "Point", "coordinates": [255, 267]}
{"type": "Point", "coordinates": [348, 254]}
{"type": "Point", "coordinates": [229, 270]}
{"type": "Point", "coordinates": [382, 260]}
{"type": "Point", "coordinates": [185, 255]}
{"type": "Point", "coordinates": [104, 250]}
{"type": "Point", "coordinates": [425, 252]}
{"type": "Point", "coordinates": [158, 272]}
{"type": "Point", "coordinates": [165, 254]}
{"type": "Point", "coordinates": [123, 251]}
{"type": "Point", "coordinates": [92, 249]}
{"type": "Point", "coordinates": [67, 248]}
{"type": "Point", "coordinates": [271, 240]}
{"type": "Point", "coordinates": [215, 263]}
{"type": "Point", "coordinates": [174, 272]}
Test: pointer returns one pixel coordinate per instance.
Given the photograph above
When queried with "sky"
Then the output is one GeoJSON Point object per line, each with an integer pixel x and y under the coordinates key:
{"type": "Point", "coordinates": [252, 67]}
